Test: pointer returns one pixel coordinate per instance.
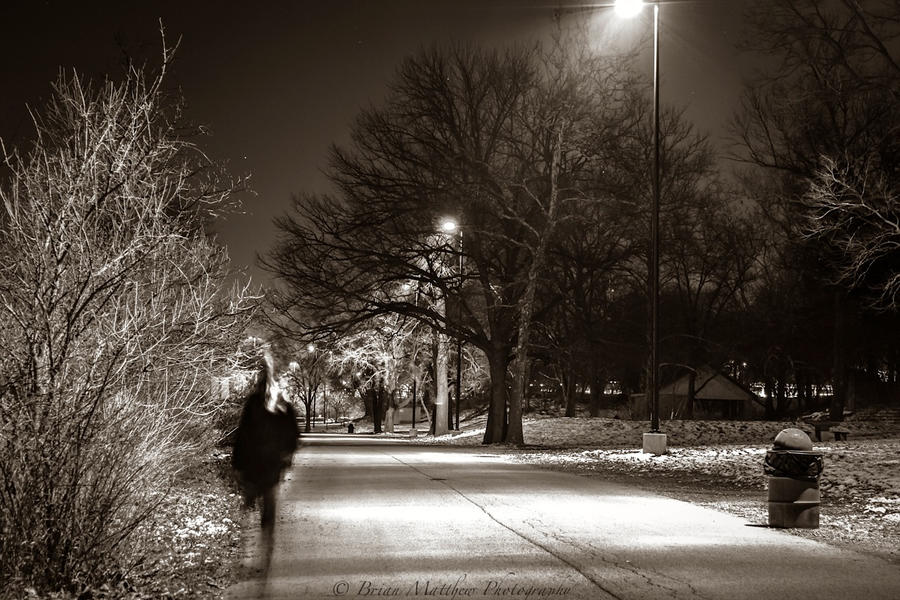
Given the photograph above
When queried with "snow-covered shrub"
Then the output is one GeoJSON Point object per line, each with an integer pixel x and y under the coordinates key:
{"type": "Point", "coordinates": [114, 316]}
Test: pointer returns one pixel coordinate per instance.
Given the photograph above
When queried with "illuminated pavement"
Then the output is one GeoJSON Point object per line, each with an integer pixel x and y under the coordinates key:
{"type": "Point", "coordinates": [365, 518]}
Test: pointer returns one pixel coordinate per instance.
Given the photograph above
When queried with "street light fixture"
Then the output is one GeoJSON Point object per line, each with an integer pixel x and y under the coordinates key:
{"type": "Point", "coordinates": [629, 8]}
{"type": "Point", "coordinates": [450, 226]}
{"type": "Point", "coordinates": [311, 349]}
{"type": "Point", "coordinates": [654, 441]}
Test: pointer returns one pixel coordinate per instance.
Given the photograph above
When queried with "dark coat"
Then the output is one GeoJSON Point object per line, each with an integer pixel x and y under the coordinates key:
{"type": "Point", "coordinates": [265, 442]}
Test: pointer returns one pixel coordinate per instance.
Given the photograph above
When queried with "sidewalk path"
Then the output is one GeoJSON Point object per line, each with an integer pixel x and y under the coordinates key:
{"type": "Point", "coordinates": [366, 518]}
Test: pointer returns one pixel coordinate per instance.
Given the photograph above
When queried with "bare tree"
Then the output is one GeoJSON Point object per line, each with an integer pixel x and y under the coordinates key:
{"type": "Point", "coordinates": [832, 94]}
{"type": "Point", "coordinates": [115, 315]}
{"type": "Point", "coordinates": [855, 207]}
{"type": "Point", "coordinates": [379, 356]}
{"type": "Point", "coordinates": [582, 326]}
{"type": "Point", "coordinates": [424, 155]}
{"type": "Point", "coordinates": [496, 138]}
{"type": "Point", "coordinates": [306, 375]}
{"type": "Point", "coordinates": [711, 261]}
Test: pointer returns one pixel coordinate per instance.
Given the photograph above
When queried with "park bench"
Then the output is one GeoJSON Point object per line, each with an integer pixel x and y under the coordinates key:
{"type": "Point", "coordinates": [839, 432]}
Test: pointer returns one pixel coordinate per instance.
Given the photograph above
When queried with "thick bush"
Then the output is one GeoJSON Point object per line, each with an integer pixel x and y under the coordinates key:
{"type": "Point", "coordinates": [115, 317]}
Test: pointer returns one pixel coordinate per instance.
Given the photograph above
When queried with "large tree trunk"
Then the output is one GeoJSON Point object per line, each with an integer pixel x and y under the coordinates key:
{"type": "Point", "coordinates": [800, 377]}
{"type": "Point", "coordinates": [496, 423]}
{"type": "Point", "coordinates": [308, 411]}
{"type": "Point", "coordinates": [692, 382]}
{"type": "Point", "coordinates": [598, 385]}
{"type": "Point", "coordinates": [514, 434]}
{"type": "Point", "coordinates": [781, 400]}
{"type": "Point", "coordinates": [389, 414]}
{"type": "Point", "coordinates": [367, 404]}
{"type": "Point", "coordinates": [770, 396]}
{"type": "Point", "coordinates": [569, 390]}
{"type": "Point", "coordinates": [377, 408]}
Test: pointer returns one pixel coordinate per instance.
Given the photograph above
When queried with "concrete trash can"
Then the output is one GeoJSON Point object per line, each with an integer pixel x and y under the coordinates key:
{"type": "Point", "coordinates": [793, 469]}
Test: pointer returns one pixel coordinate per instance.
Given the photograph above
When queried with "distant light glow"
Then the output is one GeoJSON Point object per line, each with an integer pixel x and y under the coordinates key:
{"type": "Point", "coordinates": [310, 348]}
{"type": "Point", "coordinates": [629, 8]}
{"type": "Point", "coordinates": [448, 225]}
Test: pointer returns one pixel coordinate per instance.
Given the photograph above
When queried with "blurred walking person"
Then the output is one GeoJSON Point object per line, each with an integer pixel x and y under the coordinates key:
{"type": "Point", "coordinates": [264, 445]}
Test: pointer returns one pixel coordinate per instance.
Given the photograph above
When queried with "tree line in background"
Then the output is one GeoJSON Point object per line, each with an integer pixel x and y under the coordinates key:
{"type": "Point", "coordinates": [779, 267]}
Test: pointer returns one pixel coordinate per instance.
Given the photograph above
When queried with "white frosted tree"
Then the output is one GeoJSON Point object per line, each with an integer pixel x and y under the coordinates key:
{"type": "Point", "coordinates": [854, 205]}
{"type": "Point", "coordinates": [115, 313]}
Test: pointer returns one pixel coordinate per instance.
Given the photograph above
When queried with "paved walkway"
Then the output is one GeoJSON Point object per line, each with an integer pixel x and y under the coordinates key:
{"type": "Point", "coordinates": [364, 518]}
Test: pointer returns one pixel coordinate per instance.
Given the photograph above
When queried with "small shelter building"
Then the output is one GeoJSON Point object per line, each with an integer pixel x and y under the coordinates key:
{"type": "Point", "coordinates": [704, 393]}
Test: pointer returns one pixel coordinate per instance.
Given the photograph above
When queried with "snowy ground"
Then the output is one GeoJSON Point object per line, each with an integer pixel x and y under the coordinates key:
{"type": "Point", "coordinates": [720, 464]}
{"type": "Point", "coordinates": [868, 462]}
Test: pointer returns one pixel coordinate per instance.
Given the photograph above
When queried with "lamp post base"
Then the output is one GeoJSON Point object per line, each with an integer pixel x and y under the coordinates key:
{"type": "Point", "coordinates": [654, 443]}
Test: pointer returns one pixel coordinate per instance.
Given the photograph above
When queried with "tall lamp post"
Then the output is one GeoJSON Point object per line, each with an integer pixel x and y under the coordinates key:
{"type": "Point", "coordinates": [311, 350]}
{"type": "Point", "coordinates": [412, 427]}
{"type": "Point", "coordinates": [654, 441]}
{"type": "Point", "coordinates": [451, 226]}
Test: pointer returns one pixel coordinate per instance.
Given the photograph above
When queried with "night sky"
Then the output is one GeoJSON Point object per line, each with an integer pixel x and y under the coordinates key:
{"type": "Point", "coordinates": [278, 82]}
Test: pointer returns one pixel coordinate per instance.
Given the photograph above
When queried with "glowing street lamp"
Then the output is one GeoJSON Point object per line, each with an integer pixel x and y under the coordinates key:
{"type": "Point", "coordinates": [654, 441]}
{"type": "Point", "coordinates": [629, 8]}
{"type": "Point", "coordinates": [449, 225]}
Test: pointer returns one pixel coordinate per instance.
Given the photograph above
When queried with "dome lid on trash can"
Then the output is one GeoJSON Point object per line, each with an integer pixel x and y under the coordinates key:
{"type": "Point", "coordinates": [793, 439]}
